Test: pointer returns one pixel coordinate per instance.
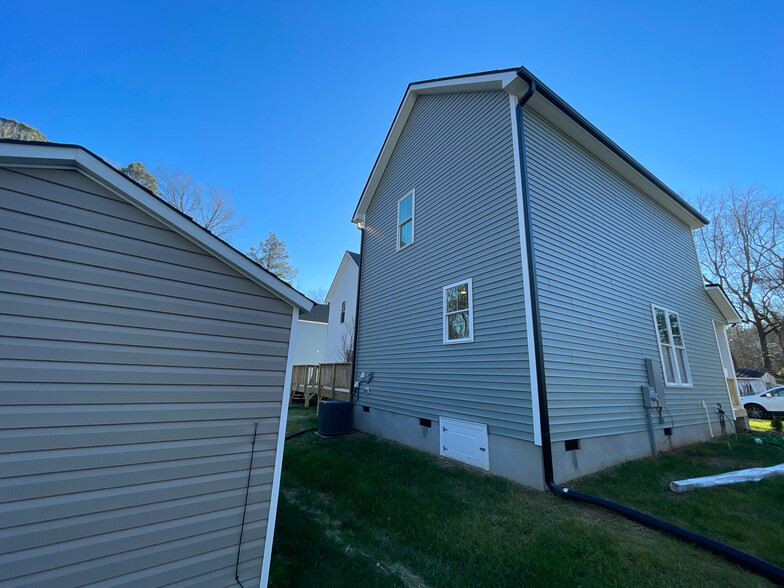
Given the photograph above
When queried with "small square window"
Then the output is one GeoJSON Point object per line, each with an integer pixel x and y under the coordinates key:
{"type": "Point", "coordinates": [405, 221]}
{"type": "Point", "coordinates": [458, 312]}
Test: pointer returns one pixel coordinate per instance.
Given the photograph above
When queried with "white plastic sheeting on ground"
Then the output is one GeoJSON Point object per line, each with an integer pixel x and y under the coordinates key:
{"type": "Point", "coordinates": [750, 475]}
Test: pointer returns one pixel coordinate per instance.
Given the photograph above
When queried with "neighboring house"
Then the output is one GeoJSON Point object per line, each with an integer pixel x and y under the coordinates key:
{"type": "Point", "coordinates": [470, 198]}
{"type": "Point", "coordinates": [342, 299]}
{"type": "Point", "coordinates": [311, 342]}
{"type": "Point", "coordinates": [751, 381]}
{"type": "Point", "coordinates": [138, 354]}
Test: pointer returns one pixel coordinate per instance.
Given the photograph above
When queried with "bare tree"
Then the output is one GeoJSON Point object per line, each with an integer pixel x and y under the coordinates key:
{"type": "Point", "coordinates": [271, 254]}
{"type": "Point", "coordinates": [212, 207]}
{"type": "Point", "coordinates": [318, 295]}
{"type": "Point", "coordinates": [741, 249]}
{"type": "Point", "coordinates": [346, 346]}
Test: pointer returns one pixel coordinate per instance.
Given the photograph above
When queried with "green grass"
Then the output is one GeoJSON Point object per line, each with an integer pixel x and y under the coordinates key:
{"type": "Point", "coordinates": [762, 426]}
{"type": "Point", "coordinates": [361, 511]}
{"type": "Point", "coordinates": [748, 516]}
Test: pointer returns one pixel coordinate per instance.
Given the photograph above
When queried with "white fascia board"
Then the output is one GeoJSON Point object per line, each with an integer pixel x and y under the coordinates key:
{"type": "Point", "coordinates": [723, 304]}
{"type": "Point", "coordinates": [284, 413]}
{"type": "Point", "coordinates": [71, 156]}
{"type": "Point", "coordinates": [479, 83]}
{"type": "Point", "coordinates": [312, 322]}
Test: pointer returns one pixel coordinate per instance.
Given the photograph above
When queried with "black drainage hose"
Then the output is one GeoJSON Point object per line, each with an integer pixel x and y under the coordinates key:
{"type": "Point", "coordinates": [754, 564]}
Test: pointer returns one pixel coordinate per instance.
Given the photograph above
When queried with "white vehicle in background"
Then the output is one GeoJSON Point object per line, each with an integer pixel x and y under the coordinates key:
{"type": "Point", "coordinates": [762, 406]}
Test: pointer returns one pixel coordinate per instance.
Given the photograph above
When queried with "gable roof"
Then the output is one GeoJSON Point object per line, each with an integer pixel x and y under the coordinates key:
{"type": "Point", "coordinates": [749, 373]}
{"type": "Point", "coordinates": [547, 103]}
{"type": "Point", "coordinates": [318, 314]}
{"type": "Point", "coordinates": [348, 257]}
{"type": "Point", "coordinates": [64, 156]}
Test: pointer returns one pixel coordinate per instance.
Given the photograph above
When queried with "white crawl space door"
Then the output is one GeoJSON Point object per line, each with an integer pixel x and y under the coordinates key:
{"type": "Point", "coordinates": [465, 441]}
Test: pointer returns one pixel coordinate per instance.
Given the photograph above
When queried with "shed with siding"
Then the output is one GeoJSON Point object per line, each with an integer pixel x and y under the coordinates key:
{"type": "Point", "coordinates": [446, 356]}
{"type": "Point", "coordinates": [137, 353]}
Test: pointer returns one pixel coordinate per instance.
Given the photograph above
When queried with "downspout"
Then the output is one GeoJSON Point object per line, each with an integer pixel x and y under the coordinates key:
{"type": "Point", "coordinates": [754, 564]}
{"type": "Point", "coordinates": [356, 312]}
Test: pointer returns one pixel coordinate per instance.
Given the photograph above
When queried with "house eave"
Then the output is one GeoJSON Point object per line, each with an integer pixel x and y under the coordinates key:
{"type": "Point", "coordinates": [552, 107]}
{"type": "Point", "coordinates": [75, 157]}
{"type": "Point", "coordinates": [723, 303]}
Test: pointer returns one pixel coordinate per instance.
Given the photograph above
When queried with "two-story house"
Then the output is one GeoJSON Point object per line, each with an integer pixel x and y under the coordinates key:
{"type": "Point", "coordinates": [525, 284]}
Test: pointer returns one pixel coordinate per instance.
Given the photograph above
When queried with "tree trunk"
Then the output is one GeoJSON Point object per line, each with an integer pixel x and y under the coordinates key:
{"type": "Point", "coordinates": [766, 359]}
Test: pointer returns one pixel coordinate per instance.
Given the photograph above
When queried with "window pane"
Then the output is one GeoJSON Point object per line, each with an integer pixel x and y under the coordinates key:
{"type": "Point", "coordinates": [405, 209]}
{"type": "Point", "coordinates": [681, 354]}
{"type": "Point", "coordinates": [676, 330]}
{"type": "Point", "coordinates": [669, 371]}
{"type": "Point", "coordinates": [405, 233]}
{"type": "Point", "coordinates": [661, 325]}
{"type": "Point", "coordinates": [462, 297]}
{"type": "Point", "coordinates": [457, 326]}
{"type": "Point", "coordinates": [451, 299]}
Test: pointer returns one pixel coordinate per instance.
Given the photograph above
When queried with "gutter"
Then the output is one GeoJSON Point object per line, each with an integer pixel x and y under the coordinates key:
{"type": "Point", "coordinates": [754, 564]}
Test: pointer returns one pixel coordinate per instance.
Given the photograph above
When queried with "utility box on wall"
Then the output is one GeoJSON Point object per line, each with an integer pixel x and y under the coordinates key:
{"type": "Point", "coordinates": [465, 441]}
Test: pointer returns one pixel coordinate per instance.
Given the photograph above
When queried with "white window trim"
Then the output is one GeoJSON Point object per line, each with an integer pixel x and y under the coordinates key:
{"type": "Point", "coordinates": [445, 333]}
{"type": "Point", "coordinates": [399, 224]}
{"type": "Point", "coordinates": [343, 312]}
{"type": "Point", "coordinates": [654, 308]}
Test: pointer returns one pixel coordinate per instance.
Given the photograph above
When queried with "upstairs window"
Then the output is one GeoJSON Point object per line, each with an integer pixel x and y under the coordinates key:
{"type": "Point", "coordinates": [343, 312]}
{"type": "Point", "coordinates": [405, 221]}
{"type": "Point", "coordinates": [672, 349]}
{"type": "Point", "coordinates": [458, 313]}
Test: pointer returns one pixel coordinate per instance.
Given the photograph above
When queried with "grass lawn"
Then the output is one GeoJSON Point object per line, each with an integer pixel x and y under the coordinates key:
{"type": "Point", "coordinates": [360, 511]}
{"type": "Point", "coordinates": [761, 426]}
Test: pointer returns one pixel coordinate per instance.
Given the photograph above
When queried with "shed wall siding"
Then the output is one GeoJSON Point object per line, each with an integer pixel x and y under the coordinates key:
{"type": "Point", "coordinates": [605, 252]}
{"type": "Point", "coordinates": [132, 367]}
{"type": "Point", "coordinates": [456, 151]}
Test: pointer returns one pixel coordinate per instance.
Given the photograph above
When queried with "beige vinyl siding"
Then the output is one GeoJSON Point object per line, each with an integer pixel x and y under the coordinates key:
{"type": "Point", "coordinates": [456, 151]}
{"type": "Point", "coordinates": [605, 252]}
{"type": "Point", "coordinates": [132, 368]}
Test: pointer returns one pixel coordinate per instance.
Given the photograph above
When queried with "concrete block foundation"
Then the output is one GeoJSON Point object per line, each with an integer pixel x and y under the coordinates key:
{"type": "Point", "coordinates": [521, 461]}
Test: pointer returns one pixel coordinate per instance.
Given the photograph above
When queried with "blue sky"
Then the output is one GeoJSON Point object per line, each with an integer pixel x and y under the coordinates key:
{"type": "Point", "coordinates": [287, 104]}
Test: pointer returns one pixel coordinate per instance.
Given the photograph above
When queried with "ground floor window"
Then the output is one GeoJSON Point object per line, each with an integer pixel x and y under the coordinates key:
{"type": "Point", "coordinates": [675, 363]}
{"type": "Point", "coordinates": [458, 312]}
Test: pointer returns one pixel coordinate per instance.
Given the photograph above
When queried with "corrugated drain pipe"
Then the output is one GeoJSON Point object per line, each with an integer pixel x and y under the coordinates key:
{"type": "Point", "coordinates": [754, 564]}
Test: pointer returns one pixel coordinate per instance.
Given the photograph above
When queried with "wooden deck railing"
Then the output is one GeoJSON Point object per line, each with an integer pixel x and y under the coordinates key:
{"type": "Point", "coordinates": [325, 380]}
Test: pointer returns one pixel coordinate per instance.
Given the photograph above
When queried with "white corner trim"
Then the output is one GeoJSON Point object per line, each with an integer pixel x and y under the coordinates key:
{"type": "Point", "coordinates": [284, 413]}
{"type": "Point", "coordinates": [529, 319]}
